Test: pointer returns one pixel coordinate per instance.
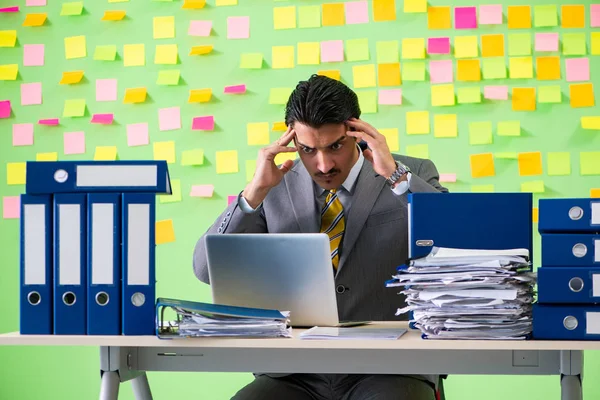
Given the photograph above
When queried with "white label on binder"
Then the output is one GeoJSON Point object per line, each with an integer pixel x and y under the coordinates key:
{"type": "Point", "coordinates": [593, 323]}
{"type": "Point", "coordinates": [116, 175]}
{"type": "Point", "coordinates": [102, 243]}
{"type": "Point", "coordinates": [34, 241]}
{"type": "Point", "coordinates": [597, 250]}
{"type": "Point", "coordinates": [138, 242]}
{"type": "Point", "coordinates": [596, 285]}
{"type": "Point", "coordinates": [596, 213]}
{"type": "Point", "coordinates": [69, 251]}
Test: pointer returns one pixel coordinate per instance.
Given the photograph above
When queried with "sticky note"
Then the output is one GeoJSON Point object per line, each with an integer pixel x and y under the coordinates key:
{"type": "Point", "coordinates": [590, 123]}
{"type": "Point", "coordinates": [4, 108]}
{"type": "Point", "coordinates": [200, 95]}
{"type": "Point", "coordinates": [75, 47]}
{"type": "Point", "coordinates": [390, 96]}
{"type": "Point", "coordinates": [582, 95]}
{"type": "Point", "coordinates": [309, 16]}
{"type": "Point", "coordinates": [332, 14]}
{"type": "Point", "coordinates": [12, 9]}
{"type": "Point", "coordinates": [238, 27]}
{"type": "Point", "coordinates": [533, 187]}
{"type": "Point", "coordinates": [480, 132]}
{"type": "Point", "coordinates": [468, 95]}
{"type": "Point", "coordinates": [164, 151]}
{"type": "Point", "coordinates": [413, 48]}
{"type": "Point", "coordinates": [357, 49]}
{"type": "Point", "coordinates": [227, 162]}
{"type": "Point", "coordinates": [257, 133]}
{"type": "Point", "coordinates": [137, 134]}
{"type": "Point", "coordinates": [235, 89]}
{"type": "Point", "coordinates": [545, 16]}
{"type": "Point", "coordinates": [589, 163]}
{"type": "Point", "coordinates": [331, 51]}
{"type": "Point", "coordinates": [418, 150]}
{"type": "Point", "coordinates": [520, 67]}
{"type": "Point", "coordinates": [74, 8]}
{"type": "Point", "coordinates": [71, 77]}
{"type": "Point", "coordinates": [105, 153]}
{"type": "Point", "coordinates": [574, 44]}
{"type": "Point", "coordinates": [447, 178]}
{"type": "Point", "coordinates": [482, 165]}
{"type": "Point", "coordinates": [490, 14]}
{"type": "Point", "coordinates": [280, 95]}
{"type": "Point", "coordinates": [573, 16]}
{"type": "Point", "coordinates": [15, 173]}
{"type": "Point", "coordinates": [105, 119]}
{"type": "Point", "coordinates": [193, 4]}
{"type": "Point", "coordinates": [509, 128]}
{"type": "Point", "coordinates": [284, 17]}
{"type": "Point", "coordinates": [465, 47]}
{"type": "Point", "coordinates": [440, 45]}
{"type": "Point", "coordinates": [519, 44]}
{"type": "Point", "coordinates": [282, 157]}
{"type": "Point", "coordinates": [308, 53]}
{"type": "Point", "coordinates": [559, 163]}
{"type": "Point", "coordinates": [482, 188]}
{"type": "Point", "coordinates": [33, 55]}
{"type": "Point", "coordinates": [530, 163]}
{"type": "Point", "coordinates": [465, 17]}
{"type": "Point", "coordinates": [74, 108]}
{"type": "Point", "coordinates": [445, 126]}
{"type": "Point", "coordinates": [53, 156]}
{"type": "Point", "coordinates": [594, 46]}
{"type": "Point", "coordinates": [417, 122]}
{"type": "Point", "coordinates": [114, 15]}
{"type": "Point", "coordinates": [201, 50]}
{"type": "Point", "coordinates": [39, 3]}
{"type": "Point", "coordinates": [74, 143]}
{"type": "Point", "coordinates": [415, 6]}
{"type": "Point", "coordinates": [282, 57]}
{"type": "Point", "coordinates": [363, 76]}
{"type": "Point", "coordinates": [595, 15]}
{"type": "Point", "coordinates": [441, 71]}
{"type": "Point", "coordinates": [492, 45]}
{"type": "Point", "coordinates": [134, 55]}
{"type": "Point", "coordinates": [201, 28]}
{"type": "Point", "coordinates": [31, 93]}
{"type": "Point", "coordinates": [495, 92]}
{"type": "Point", "coordinates": [387, 51]}
{"type": "Point", "coordinates": [250, 169]}
{"type": "Point", "coordinates": [206, 123]}
{"type": "Point", "coordinates": [11, 207]}
{"type": "Point", "coordinates": [105, 53]}
{"type": "Point", "coordinates": [507, 155]}
{"type": "Point", "coordinates": [388, 74]}
{"type": "Point", "coordinates": [22, 134]}
{"type": "Point", "coordinates": [192, 157]}
{"type": "Point", "coordinates": [165, 54]}
{"type": "Point", "coordinates": [36, 19]}
{"type": "Point", "coordinates": [384, 10]}
{"type": "Point", "coordinates": [175, 195]}
{"type": "Point", "coordinates": [8, 38]}
{"type": "Point", "coordinates": [279, 126]}
{"type": "Point", "coordinates": [442, 95]}
{"type": "Point", "coordinates": [164, 232]}
{"type": "Point", "coordinates": [595, 193]}
{"type": "Point", "coordinates": [163, 27]}
{"type": "Point", "coordinates": [357, 12]}
{"type": "Point", "coordinates": [523, 99]}
{"type": "Point", "coordinates": [413, 71]}
{"type": "Point", "coordinates": [468, 70]}
{"type": "Point", "coordinates": [367, 100]}
{"type": "Point", "coordinates": [578, 69]}
{"type": "Point", "coordinates": [168, 77]}
{"type": "Point", "coordinates": [519, 17]}
{"type": "Point", "coordinates": [439, 18]}
{"type": "Point", "coordinates": [49, 122]}
{"type": "Point", "coordinates": [202, 191]}
{"type": "Point", "coordinates": [548, 68]}
{"type": "Point", "coordinates": [331, 73]}
{"type": "Point", "coordinates": [221, 3]}
{"type": "Point", "coordinates": [135, 95]}
{"type": "Point", "coordinates": [169, 118]}
{"type": "Point", "coordinates": [391, 138]}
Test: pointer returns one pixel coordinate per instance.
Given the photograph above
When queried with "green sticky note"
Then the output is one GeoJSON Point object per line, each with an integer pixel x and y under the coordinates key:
{"type": "Point", "coordinates": [175, 190]}
{"type": "Point", "coordinates": [589, 162]}
{"type": "Point", "coordinates": [75, 8]}
{"type": "Point", "coordinates": [573, 44]}
{"type": "Point", "coordinates": [549, 94]}
{"type": "Point", "coordinates": [482, 188]}
{"type": "Point", "coordinates": [494, 68]}
{"type": "Point", "coordinates": [507, 155]}
{"type": "Point", "coordinates": [280, 95]}
{"type": "Point", "coordinates": [480, 132]}
{"type": "Point", "coordinates": [74, 108]}
{"type": "Point", "coordinates": [559, 163]}
{"type": "Point", "coordinates": [168, 77]}
{"type": "Point", "coordinates": [545, 15]}
{"type": "Point", "coordinates": [509, 128]}
{"type": "Point", "coordinates": [309, 16]}
{"type": "Point", "coordinates": [387, 52]}
{"type": "Point", "coordinates": [413, 71]}
{"type": "Point", "coordinates": [105, 53]}
{"type": "Point", "coordinates": [418, 150]}
{"type": "Point", "coordinates": [357, 50]}
{"type": "Point", "coordinates": [468, 95]}
{"type": "Point", "coordinates": [192, 157]}
{"type": "Point", "coordinates": [519, 44]}
{"type": "Point", "coordinates": [250, 168]}
{"type": "Point", "coordinates": [251, 60]}
{"type": "Point", "coordinates": [367, 100]}
{"type": "Point", "coordinates": [533, 187]}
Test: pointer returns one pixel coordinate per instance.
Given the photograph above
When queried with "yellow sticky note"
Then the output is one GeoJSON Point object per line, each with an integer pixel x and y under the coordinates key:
{"type": "Point", "coordinates": [519, 17]}
{"type": "Point", "coordinates": [465, 47]}
{"type": "Point", "coordinates": [595, 43]}
{"type": "Point", "coordinates": [439, 17]}
{"type": "Point", "coordinates": [164, 232]}
{"type": "Point", "coordinates": [202, 50]}
{"type": "Point", "coordinates": [391, 138]}
{"type": "Point", "coordinates": [134, 55]}
{"type": "Point", "coordinates": [163, 27]}
{"type": "Point", "coordinates": [595, 193]}
{"type": "Point", "coordinates": [468, 70]}
{"type": "Point", "coordinates": [442, 95]}
{"type": "Point", "coordinates": [530, 163]}
{"type": "Point", "coordinates": [309, 16]}
{"type": "Point", "coordinates": [280, 95]}
{"type": "Point", "coordinates": [533, 187]}
{"type": "Point", "coordinates": [523, 99]}
{"type": "Point", "coordinates": [492, 45]}
{"type": "Point", "coordinates": [258, 133]}
{"type": "Point", "coordinates": [535, 215]}
{"type": "Point", "coordinates": [283, 57]}
{"type": "Point", "coordinates": [559, 163]}
{"type": "Point", "coordinates": [284, 17]}
{"type": "Point", "coordinates": [36, 19]}
{"type": "Point", "coordinates": [283, 157]}
{"type": "Point", "coordinates": [251, 60]}
{"type": "Point", "coordinates": [364, 76]}
{"type": "Point", "coordinates": [193, 4]}
{"type": "Point", "coordinates": [413, 48]}
{"type": "Point", "coordinates": [520, 68]}
{"type": "Point", "coordinates": [71, 77]}
{"type": "Point", "coordinates": [549, 94]}
{"type": "Point", "coordinates": [279, 126]}
{"type": "Point", "coordinates": [75, 47]}
{"type": "Point", "coordinates": [164, 151]}
{"type": "Point", "coordinates": [165, 54]}
{"type": "Point", "coordinates": [175, 195]}
{"type": "Point", "coordinates": [590, 123]}
{"type": "Point", "coordinates": [331, 73]}
{"type": "Point", "coordinates": [589, 162]}
{"type": "Point", "coordinates": [332, 14]}
{"type": "Point", "coordinates": [415, 6]}
{"type": "Point", "coordinates": [384, 10]}
{"type": "Point", "coordinates": [200, 95]}
{"type": "Point", "coordinates": [16, 173]}
{"type": "Point", "coordinates": [220, 3]}
{"type": "Point", "coordinates": [9, 72]}
{"type": "Point", "coordinates": [53, 156]}
{"type": "Point", "coordinates": [417, 122]}
{"type": "Point", "coordinates": [105, 153]}
{"type": "Point", "coordinates": [548, 68]}
{"type": "Point", "coordinates": [74, 108]}
{"type": "Point", "coordinates": [309, 53]}
{"type": "Point", "coordinates": [135, 95]}
{"type": "Point", "coordinates": [8, 38]}
{"type": "Point", "coordinates": [192, 157]}
{"type": "Point", "coordinates": [114, 15]}
{"type": "Point", "coordinates": [445, 126]}
{"type": "Point", "coordinates": [483, 188]}
{"type": "Point", "coordinates": [250, 169]}
{"type": "Point", "coordinates": [227, 162]}
{"type": "Point", "coordinates": [582, 95]}
{"type": "Point", "coordinates": [482, 165]}
{"type": "Point", "coordinates": [388, 74]}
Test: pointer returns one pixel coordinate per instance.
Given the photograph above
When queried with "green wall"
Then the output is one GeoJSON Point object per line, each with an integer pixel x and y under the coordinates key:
{"type": "Point", "coordinates": [72, 373]}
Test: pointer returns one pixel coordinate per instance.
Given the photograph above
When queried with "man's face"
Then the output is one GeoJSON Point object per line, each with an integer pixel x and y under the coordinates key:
{"type": "Point", "coordinates": [327, 153]}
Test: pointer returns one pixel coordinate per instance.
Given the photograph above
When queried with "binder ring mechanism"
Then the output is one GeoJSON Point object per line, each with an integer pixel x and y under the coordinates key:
{"type": "Point", "coordinates": [34, 298]}
{"type": "Point", "coordinates": [576, 284]}
{"type": "Point", "coordinates": [575, 213]}
{"type": "Point", "coordinates": [138, 299]}
{"type": "Point", "coordinates": [102, 298]}
{"type": "Point", "coordinates": [570, 322]}
{"type": "Point", "coordinates": [69, 298]}
{"type": "Point", "coordinates": [579, 250]}
{"type": "Point", "coordinates": [61, 176]}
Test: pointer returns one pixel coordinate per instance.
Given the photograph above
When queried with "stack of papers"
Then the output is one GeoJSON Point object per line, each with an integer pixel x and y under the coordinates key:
{"type": "Point", "coordinates": [469, 294]}
{"type": "Point", "coordinates": [352, 333]}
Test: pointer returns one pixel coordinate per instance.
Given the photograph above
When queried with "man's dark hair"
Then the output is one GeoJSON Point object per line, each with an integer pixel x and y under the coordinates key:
{"type": "Point", "coordinates": [321, 100]}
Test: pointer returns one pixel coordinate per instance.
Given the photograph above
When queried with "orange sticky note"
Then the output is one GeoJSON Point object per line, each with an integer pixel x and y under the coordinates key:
{"type": "Point", "coordinates": [388, 74]}
{"type": "Point", "coordinates": [595, 193]}
{"type": "Point", "coordinates": [492, 45]}
{"type": "Point", "coordinates": [331, 73]}
{"type": "Point", "coordinates": [200, 95]}
{"type": "Point", "coordinates": [548, 68]}
{"type": "Point", "coordinates": [384, 10]}
{"type": "Point", "coordinates": [535, 214]}
{"type": "Point", "coordinates": [482, 165]}
{"type": "Point", "coordinates": [71, 77]}
{"type": "Point", "coordinates": [523, 99]}
{"type": "Point", "coordinates": [582, 95]}
{"type": "Point", "coordinates": [36, 19]}
{"type": "Point", "coordinates": [332, 14]}
{"type": "Point", "coordinates": [530, 163]}
{"type": "Point", "coordinates": [164, 231]}
{"type": "Point", "coordinates": [439, 18]}
{"type": "Point", "coordinates": [468, 70]}
{"type": "Point", "coordinates": [573, 16]}
{"type": "Point", "coordinates": [519, 17]}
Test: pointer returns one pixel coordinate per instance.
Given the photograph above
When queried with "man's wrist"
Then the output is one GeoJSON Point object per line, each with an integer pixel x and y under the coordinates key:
{"type": "Point", "coordinates": [254, 196]}
{"type": "Point", "coordinates": [398, 174]}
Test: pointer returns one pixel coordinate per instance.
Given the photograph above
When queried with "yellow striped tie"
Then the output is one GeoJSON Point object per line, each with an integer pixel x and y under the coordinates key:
{"type": "Point", "coordinates": [333, 224]}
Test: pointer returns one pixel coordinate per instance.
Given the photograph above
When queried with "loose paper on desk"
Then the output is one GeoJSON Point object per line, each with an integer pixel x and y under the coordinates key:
{"type": "Point", "coordinates": [352, 333]}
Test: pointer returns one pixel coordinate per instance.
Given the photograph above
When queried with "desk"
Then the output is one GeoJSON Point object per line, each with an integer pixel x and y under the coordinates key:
{"type": "Point", "coordinates": [124, 358]}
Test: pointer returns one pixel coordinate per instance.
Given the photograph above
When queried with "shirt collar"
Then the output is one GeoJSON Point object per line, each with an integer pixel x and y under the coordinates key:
{"type": "Point", "coordinates": [352, 177]}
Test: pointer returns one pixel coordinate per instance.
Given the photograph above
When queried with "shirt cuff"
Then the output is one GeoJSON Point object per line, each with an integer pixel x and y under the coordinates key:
{"type": "Point", "coordinates": [246, 208]}
{"type": "Point", "coordinates": [403, 186]}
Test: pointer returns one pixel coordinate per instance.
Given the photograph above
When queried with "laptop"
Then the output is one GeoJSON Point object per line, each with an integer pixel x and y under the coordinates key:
{"type": "Point", "coordinates": [282, 271]}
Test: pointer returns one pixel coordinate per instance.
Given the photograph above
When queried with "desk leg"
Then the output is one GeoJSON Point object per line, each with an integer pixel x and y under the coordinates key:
{"type": "Point", "coordinates": [571, 374]}
{"type": "Point", "coordinates": [141, 387]}
{"type": "Point", "coordinates": [109, 389]}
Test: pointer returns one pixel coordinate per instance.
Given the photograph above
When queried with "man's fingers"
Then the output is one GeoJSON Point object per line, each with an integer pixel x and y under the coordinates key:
{"type": "Point", "coordinates": [287, 137]}
{"type": "Point", "coordinates": [362, 126]}
{"type": "Point", "coordinates": [368, 155]}
{"type": "Point", "coordinates": [285, 167]}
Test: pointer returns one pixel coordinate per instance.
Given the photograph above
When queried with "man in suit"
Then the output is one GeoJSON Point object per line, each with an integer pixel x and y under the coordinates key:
{"type": "Point", "coordinates": [357, 197]}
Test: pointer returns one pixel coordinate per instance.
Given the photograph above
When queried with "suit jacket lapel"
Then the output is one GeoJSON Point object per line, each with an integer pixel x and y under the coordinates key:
{"type": "Point", "coordinates": [301, 192]}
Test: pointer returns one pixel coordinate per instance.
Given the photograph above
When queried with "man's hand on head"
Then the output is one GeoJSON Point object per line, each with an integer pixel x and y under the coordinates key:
{"type": "Point", "coordinates": [378, 153]}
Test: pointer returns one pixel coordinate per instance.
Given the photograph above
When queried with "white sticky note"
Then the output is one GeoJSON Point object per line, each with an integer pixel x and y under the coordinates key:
{"type": "Point", "coordinates": [596, 285]}
{"type": "Point", "coordinates": [596, 213]}
{"type": "Point", "coordinates": [592, 323]}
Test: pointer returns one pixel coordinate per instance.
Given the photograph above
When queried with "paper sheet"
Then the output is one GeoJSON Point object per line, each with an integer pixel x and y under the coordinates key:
{"type": "Point", "coordinates": [169, 118]}
{"type": "Point", "coordinates": [482, 165]}
{"type": "Point", "coordinates": [257, 133]}
{"type": "Point", "coordinates": [74, 143]}
{"type": "Point", "coordinates": [530, 163]}
{"type": "Point", "coordinates": [227, 162]}
{"type": "Point", "coordinates": [22, 134]}
{"type": "Point", "coordinates": [164, 232]}
{"type": "Point", "coordinates": [137, 134]}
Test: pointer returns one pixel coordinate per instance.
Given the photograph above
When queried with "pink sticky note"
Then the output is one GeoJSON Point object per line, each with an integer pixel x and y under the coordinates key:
{"type": "Point", "coordinates": [22, 134]}
{"type": "Point", "coordinates": [35, 3]}
{"type": "Point", "coordinates": [203, 123]}
{"type": "Point", "coordinates": [490, 14]}
{"type": "Point", "coordinates": [105, 119]}
{"type": "Point", "coordinates": [31, 93]}
{"type": "Point", "coordinates": [390, 96]}
{"type": "Point", "coordinates": [106, 90]}
{"type": "Point", "coordinates": [33, 55]}
{"type": "Point", "coordinates": [447, 178]}
{"type": "Point", "coordinates": [169, 119]}
{"type": "Point", "coordinates": [438, 45]}
{"type": "Point", "coordinates": [465, 17]}
{"type": "Point", "coordinates": [200, 28]}
{"type": "Point", "coordinates": [595, 15]}
{"type": "Point", "coordinates": [4, 108]}
{"type": "Point", "coordinates": [9, 9]}
{"type": "Point", "coordinates": [546, 42]}
{"type": "Point", "coordinates": [495, 92]}
{"type": "Point", "coordinates": [11, 207]}
{"type": "Point", "coordinates": [332, 51]}
{"type": "Point", "coordinates": [235, 89]}
{"type": "Point", "coordinates": [202, 190]}
{"type": "Point", "coordinates": [441, 71]}
{"type": "Point", "coordinates": [578, 69]}
{"type": "Point", "coordinates": [49, 122]}
{"type": "Point", "coordinates": [238, 27]}
{"type": "Point", "coordinates": [74, 142]}
{"type": "Point", "coordinates": [357, 12]}
{"type": "Point", "coordinates": [231, 199]}
{"type": "Point", "coordinates": [137, 134]}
